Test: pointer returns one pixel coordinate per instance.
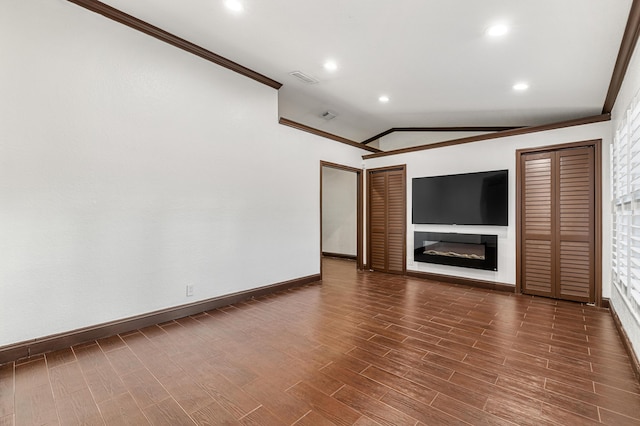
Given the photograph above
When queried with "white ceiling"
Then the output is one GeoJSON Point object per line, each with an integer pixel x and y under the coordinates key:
{"type": "Point", "coordinates": [431, 57]}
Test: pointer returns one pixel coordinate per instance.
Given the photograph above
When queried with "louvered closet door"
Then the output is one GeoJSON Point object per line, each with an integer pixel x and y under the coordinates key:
{"type": "Point", "coordinates": [378, 221]}
{"type": "Point", "coordinates": [575, 244]}
{"type": "Point", "coordinates": [537, 224]}
{"type": "Point", "coordinates": [396, 221]}
{"type": "Point", "coordinates": [558, 224]}
{"type": "Point", "coordinates": [387, 213]}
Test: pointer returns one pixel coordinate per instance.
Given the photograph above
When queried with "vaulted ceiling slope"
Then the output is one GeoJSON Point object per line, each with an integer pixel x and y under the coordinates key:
{"type": "Point", "coordinates": [433, 59]}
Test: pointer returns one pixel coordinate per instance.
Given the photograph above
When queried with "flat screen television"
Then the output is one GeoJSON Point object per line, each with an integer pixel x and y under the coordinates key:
{"type": "Point", "coordinates": [464, 199]}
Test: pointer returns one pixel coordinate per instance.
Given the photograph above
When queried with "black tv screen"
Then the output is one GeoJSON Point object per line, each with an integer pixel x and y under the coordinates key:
{"type": "Point", "coordinates": [464, 199]}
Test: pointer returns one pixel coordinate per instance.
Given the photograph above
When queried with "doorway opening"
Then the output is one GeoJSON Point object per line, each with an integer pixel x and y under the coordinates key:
{"type": "Point", "coordinates": [341, 215]}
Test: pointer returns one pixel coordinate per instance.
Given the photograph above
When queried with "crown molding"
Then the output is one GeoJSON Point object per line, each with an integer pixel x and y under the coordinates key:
{"type": "Point", "coordinates": [442, 129]}
{"type": "Point", "coordinates": [162, 35]}
{"type": "Point", "coordinates": [305, 128]}
{"type": "Point", "coordinates": [627, 46]}
{"type": "Point", "coordinates": [497, 135]}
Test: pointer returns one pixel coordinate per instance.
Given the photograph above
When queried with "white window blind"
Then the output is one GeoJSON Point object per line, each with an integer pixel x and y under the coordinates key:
{"type": "Point", "coordinates": [634, 257]}
{"type": "Point", "coordinates": [633, 143]}
{"type": "Point", "coordinates": [620, 156]}
{"type": "Point", "coordinates": [625, 188]}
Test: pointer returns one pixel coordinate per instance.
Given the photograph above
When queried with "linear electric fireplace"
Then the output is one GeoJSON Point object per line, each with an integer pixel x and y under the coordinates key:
{"type": "Point", "coordinates": [466, 250]}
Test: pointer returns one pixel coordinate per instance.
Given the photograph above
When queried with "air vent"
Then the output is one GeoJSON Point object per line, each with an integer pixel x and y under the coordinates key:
{"type": "Point", "coordinates": [307, 79]}
{"type": "Point", "coordinates": [328, 115]}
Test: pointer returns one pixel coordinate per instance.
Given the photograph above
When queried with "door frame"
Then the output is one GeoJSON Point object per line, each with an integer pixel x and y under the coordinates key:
{"type": "Point", "coordinates": [359, 209]}
{"type": "Point", "coordinates": [597, 159]}
{"type": "Point", "coordinates": [402, 167]}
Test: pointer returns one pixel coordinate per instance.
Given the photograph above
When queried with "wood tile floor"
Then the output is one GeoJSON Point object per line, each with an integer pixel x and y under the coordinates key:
{"type": "Point", "coordinates": [362, 348]}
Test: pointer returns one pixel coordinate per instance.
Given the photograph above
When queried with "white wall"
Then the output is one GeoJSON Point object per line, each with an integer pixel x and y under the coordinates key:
{"type": "Point", "coordinates": [339, 211]}
{"type": "Point", "coordinates": [488, 155]}
{"type": "Point", "coordinates": [129, 169]}
{"type": "Point", "coordinates": [630, 89]}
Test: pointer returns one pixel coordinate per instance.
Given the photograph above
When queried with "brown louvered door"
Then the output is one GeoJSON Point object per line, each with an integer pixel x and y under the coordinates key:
{"type": "Point", "coordinates": [377, 221]}
{"type": "Point", "coordinates": [396, 218]}
{"type": "Point", "coordinates": [387, 215]}
{"type": "Point", "coordinates": [538, 261]}
{"type": "Point", "coordinates": [576, 241]}
{"type": "Point", "coordinates": [558, 224]}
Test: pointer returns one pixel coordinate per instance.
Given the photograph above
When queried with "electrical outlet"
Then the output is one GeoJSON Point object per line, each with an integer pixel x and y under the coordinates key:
{"type": "Point", "coordinates": [189, 290]}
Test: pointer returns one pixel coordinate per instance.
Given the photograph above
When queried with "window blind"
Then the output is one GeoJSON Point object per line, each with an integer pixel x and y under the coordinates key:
{"type": "Point", "coordinates": [625, 189]}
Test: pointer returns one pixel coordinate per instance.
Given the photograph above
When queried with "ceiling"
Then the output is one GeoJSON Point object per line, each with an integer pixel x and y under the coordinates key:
{"type": "Point", "coordinates": [432, 58]}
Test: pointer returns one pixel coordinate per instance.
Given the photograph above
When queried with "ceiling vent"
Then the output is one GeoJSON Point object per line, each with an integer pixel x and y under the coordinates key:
{"type": "Point", "coordinates": [305, 78]}
{"type": "Point", "coordinates": [328, 115]}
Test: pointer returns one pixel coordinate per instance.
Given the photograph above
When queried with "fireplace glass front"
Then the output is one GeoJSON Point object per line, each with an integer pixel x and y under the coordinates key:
{"type": "Point", "coordinates": [465, 250]}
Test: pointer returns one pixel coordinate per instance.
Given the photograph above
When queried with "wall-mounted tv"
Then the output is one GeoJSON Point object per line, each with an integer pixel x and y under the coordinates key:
{"type": "Point", "coordinates": [464, 199]}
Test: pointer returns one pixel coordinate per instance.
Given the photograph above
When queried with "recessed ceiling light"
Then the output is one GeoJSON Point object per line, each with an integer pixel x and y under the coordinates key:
{"type": "Point", "coordinates": [234, 5]}
{"type": "Point", "coordinates": [384, 99]}
{"type": "Point", "coordinates": [497, 30]}
{"type": "Point", "coordinates": [520, 87]}
{"type": "Point", "coordinates": [330, 66]}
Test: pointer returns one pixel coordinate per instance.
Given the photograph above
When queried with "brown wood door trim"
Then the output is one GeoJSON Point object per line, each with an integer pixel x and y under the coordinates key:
{"type": "Point", "coordinates": [370, 172]}
{"type": "Point", "coordinates": [597, 155]}
{"type": "Point", "coordinates": [359, 210]}
{"type": "Point", "coordinates": [597, 244]}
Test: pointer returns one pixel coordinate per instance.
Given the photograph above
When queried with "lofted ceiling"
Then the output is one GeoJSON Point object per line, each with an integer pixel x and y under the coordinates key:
{"type": "Point", "coordinates": [432, 58]}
